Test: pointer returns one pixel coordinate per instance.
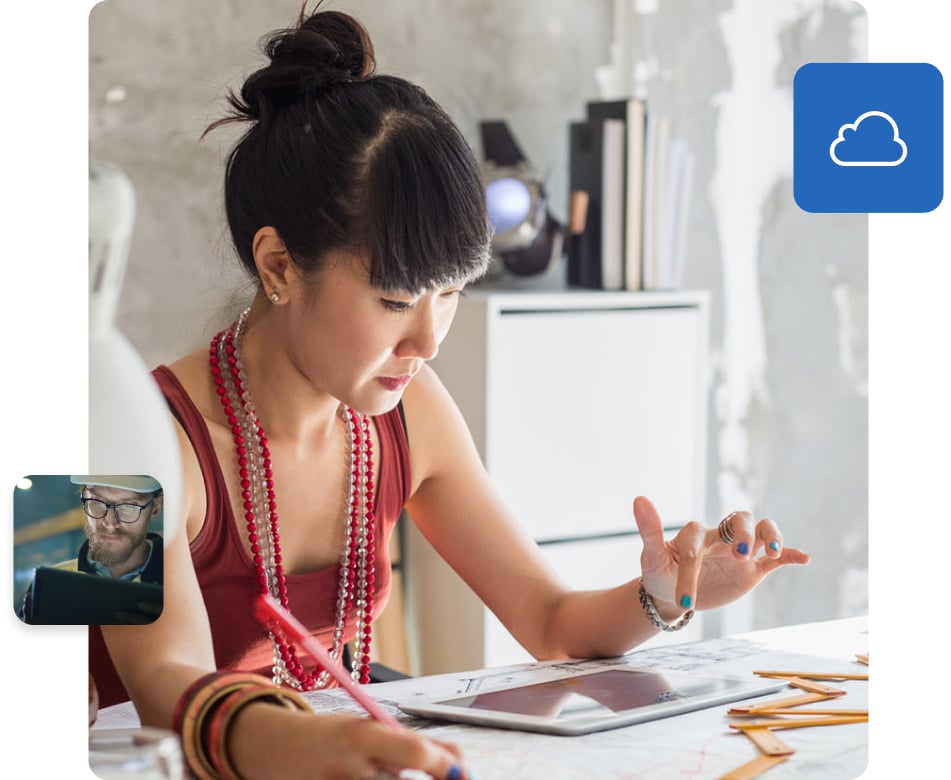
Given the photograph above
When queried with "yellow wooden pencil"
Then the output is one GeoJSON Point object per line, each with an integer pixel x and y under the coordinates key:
{"type": "Point", "coordinates": [814, 675]}
{"type": "Point", "coordinates": [792, 701]}
{"type": "Point", "coordinates": [799, 723]}
{"type": "Point", "coordinates": [807, 711]}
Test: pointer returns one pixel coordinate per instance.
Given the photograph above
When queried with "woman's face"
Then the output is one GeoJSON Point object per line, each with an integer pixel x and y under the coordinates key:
{"type": "Point", "coordinates": [363, 345]}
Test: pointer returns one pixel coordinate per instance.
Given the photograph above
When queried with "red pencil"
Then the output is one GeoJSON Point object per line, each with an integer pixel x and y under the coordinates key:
{"type": "Point", "coordinates": [267, 611]}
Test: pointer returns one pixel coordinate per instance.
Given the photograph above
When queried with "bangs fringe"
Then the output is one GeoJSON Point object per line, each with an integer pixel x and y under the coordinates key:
{"type": "Point", "coordinates": [424, 221]}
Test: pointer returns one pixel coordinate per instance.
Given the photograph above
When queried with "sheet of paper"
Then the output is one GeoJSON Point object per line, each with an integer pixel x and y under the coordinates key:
{"type": "Point", "coordinates": [694, 745]}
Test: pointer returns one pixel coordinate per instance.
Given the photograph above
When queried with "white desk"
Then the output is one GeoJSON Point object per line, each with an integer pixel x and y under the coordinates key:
{"type": "Point", "coordinates": [695, 745]}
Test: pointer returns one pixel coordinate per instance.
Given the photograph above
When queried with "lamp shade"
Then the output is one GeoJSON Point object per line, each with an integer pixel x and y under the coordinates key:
{"type": "Point", "coordinates": [525, 236]}
{"type": "Point", "coordinates": [130, 427]}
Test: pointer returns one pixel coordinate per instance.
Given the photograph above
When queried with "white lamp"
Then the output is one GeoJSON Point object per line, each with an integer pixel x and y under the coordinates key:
{"type": "Point", "coordinates": [130, 427]}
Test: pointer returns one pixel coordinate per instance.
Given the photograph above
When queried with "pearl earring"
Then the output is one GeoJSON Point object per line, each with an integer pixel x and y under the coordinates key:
{"type": "Point", "coordinates": [275, 297]}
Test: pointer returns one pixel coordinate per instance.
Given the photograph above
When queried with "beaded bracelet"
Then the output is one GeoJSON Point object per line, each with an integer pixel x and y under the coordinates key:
{"type": "Point", "coordinates": [654, 617]}
{"type": "Point", "coordinates": [219, 726]}
{"type": "Point", "coordinates": [197, 704]}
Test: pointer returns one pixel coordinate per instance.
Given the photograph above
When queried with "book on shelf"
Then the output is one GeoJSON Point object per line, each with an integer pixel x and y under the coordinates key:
{"type": "Point", "coordinates": [678, 185]}
{"type": "Point", "coordinates": [585, 169]}
{"type": "Point", "coordinates": [668, 188]}
{"type": "Point", "coordinates": [656, 137]}
{"type": "Point", "coordinates": [612, 204]}
{"type": "Point", "coordinates": [636, 180]}
{"type": "Point", "coordinates": [632, 112]}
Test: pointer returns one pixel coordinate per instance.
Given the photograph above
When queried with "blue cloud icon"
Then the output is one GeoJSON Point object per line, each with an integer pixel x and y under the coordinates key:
{"type": "Point", "coordinates": [871, 140]}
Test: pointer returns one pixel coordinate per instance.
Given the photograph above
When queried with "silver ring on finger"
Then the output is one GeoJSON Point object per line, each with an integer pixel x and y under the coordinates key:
{"type": "Point", "coordinates": [725, 529]}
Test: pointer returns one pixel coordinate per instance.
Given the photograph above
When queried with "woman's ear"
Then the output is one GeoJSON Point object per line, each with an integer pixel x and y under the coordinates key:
{"type": "Point", "coordinates": [274, 264]}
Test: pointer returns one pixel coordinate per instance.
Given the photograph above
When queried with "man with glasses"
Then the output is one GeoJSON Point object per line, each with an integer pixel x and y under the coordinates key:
{"type": "Point", "coordinates": [118, 541]}
{"type": "Point", "coordinates": [119, 545]}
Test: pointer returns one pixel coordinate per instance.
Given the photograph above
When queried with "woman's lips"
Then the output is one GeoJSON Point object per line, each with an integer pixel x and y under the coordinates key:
{"type": "Point", "coordinates": [394, 383]}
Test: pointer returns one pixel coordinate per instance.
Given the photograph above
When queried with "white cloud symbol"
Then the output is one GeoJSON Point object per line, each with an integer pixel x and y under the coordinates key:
{"type": "Point", "coordinates": [854, 126]}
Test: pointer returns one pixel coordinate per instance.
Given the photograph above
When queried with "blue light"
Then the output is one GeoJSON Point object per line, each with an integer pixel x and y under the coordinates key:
{"type": "Point", "coordinates": [509, 201]}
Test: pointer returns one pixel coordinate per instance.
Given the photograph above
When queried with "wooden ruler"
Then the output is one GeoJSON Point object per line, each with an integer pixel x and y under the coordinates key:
{"type": "Point", "coordinates": [760, 731]}
{"type": "Point", "coordinates": [768, 743]}
{"type": "Point", "coordinates": [754, 768]}
{"type": "Point", "coordinates": [813, 687]}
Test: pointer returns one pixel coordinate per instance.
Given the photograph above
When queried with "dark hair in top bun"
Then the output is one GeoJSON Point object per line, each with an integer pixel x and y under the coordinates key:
{"type": "Point", "coordinates": [337, 157]}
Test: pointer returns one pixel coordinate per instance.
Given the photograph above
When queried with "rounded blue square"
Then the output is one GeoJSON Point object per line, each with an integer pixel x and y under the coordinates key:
{"type": "Point", "coordinates": [868, 137]}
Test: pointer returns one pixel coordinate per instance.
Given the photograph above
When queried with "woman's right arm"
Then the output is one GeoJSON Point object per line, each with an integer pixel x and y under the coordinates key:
{"type": "Point", "coordinates": [157, 662]}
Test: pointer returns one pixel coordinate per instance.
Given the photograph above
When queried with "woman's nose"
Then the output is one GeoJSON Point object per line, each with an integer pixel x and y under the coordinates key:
{"type": "Point", "coordinates": [423, 341]}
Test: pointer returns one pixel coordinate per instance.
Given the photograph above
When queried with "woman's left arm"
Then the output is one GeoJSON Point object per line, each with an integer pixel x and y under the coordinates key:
{"type": "Point", "coordinates": [455, 506]}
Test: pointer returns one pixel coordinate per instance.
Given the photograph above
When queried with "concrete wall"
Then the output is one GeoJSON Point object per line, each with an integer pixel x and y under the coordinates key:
{"type": "Point", "coordinates": [789, 425]}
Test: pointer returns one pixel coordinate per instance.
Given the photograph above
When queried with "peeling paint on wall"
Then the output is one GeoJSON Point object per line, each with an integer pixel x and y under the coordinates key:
{"type": "Point", "coordinates": [789, 340]}
{"type": "Point", "coordinates": [751, 154]}
{"type": "Point", "coordinates": [852, 355]}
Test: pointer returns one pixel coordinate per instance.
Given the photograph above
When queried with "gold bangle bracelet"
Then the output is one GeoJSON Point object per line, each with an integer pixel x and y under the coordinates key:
{"type": "Point", "coordinates": [199, 705]}
{"type": "Point", "coordinates": [219, 727]}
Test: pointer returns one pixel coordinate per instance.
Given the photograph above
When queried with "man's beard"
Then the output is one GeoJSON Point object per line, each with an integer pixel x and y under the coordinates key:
{"type": "Point", "coordinates": [115, 553]}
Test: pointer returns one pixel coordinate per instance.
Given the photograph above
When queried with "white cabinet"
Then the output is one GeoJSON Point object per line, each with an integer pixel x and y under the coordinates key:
{"type": "Point", "coordinates": [578, 402]}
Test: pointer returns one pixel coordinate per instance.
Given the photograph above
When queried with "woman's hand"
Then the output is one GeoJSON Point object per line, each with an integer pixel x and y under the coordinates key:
{"type": "Point", "coordinates": [336, 746]}
{"type": "Point", "coordinates": [697, 569]}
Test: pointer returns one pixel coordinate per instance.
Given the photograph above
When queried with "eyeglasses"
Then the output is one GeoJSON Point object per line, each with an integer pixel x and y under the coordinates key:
{"type": "Point", "coordinates": [125, 513]}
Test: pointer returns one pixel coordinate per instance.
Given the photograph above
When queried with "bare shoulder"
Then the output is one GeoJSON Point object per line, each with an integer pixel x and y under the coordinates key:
{"type": "Point", "coordinates": [435, 427]}
{"type": "Point", "coordinates": [427, 404]}
{"type": "Point", "coordinates": [192, 373]}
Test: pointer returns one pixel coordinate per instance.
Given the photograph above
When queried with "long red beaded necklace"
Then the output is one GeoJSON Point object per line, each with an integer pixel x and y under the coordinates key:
{"type": "Point", "coordinates": [356, 584]}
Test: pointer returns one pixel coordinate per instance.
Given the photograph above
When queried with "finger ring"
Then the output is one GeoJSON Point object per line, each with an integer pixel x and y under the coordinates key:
{"type": "Point", "coordinates": [725, 529]}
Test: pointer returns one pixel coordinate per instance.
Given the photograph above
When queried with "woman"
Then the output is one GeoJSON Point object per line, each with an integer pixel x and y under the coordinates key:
{"type": "Point", "coordinates": [305, 428]}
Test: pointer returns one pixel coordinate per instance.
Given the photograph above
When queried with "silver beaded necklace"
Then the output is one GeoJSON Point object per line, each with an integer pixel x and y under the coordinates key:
{"type": "Point", "coordinates": [355, 588]}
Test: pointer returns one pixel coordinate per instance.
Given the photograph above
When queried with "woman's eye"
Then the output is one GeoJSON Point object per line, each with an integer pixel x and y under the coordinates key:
{"type": "Point", "coordinates": [392, 305]}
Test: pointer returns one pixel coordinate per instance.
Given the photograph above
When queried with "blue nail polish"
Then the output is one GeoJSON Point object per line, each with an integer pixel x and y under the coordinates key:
{"type": "Point", "coordinates": [686, 601]}
{"type": "Point", "coordinates": [742, 548]}
{"type": "Point", "coordinates": [774, 545]}
{"type": "Point", "coordinates": [455, 773]}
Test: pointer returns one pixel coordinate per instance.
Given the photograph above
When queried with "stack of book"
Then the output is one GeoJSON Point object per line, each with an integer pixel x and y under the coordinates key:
{"type": "Point", "coordinates": [630, 184]}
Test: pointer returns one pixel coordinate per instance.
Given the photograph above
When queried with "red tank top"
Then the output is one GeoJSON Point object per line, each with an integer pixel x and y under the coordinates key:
{"type": "Point", "coordinates": [226, 574]}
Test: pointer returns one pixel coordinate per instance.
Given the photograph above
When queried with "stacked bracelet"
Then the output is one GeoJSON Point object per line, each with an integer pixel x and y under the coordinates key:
{"type": "Point", "coordinates": [652, 615]}
{"type": "Point", "coordinates": [220, 724]}
{"type": "Point", "coordinates": [205, 713]}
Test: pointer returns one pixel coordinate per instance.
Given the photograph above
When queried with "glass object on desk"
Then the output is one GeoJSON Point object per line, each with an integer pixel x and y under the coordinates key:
{"type": "Point", "coordinates": [135, 754]}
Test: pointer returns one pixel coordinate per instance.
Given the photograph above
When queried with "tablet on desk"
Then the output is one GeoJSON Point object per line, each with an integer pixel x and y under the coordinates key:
{"type": "Point", "coordinates": [601, 699]}
{"type": "Point", "coordinates": [70, 598]}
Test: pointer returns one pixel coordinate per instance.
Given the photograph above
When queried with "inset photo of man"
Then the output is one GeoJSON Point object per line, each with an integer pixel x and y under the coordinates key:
{"type": "Point", "coordinates": [88, 549]}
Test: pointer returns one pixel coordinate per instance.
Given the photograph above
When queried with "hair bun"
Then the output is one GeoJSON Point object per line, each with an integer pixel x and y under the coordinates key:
{"type": "Point", "coordinates": [326, 49]}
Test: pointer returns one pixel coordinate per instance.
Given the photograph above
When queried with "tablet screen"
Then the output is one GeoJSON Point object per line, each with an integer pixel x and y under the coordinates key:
{"type": "Point", "coordinates": [614, 690]}
{"type": "Point", "coordinates": [577, 703]}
